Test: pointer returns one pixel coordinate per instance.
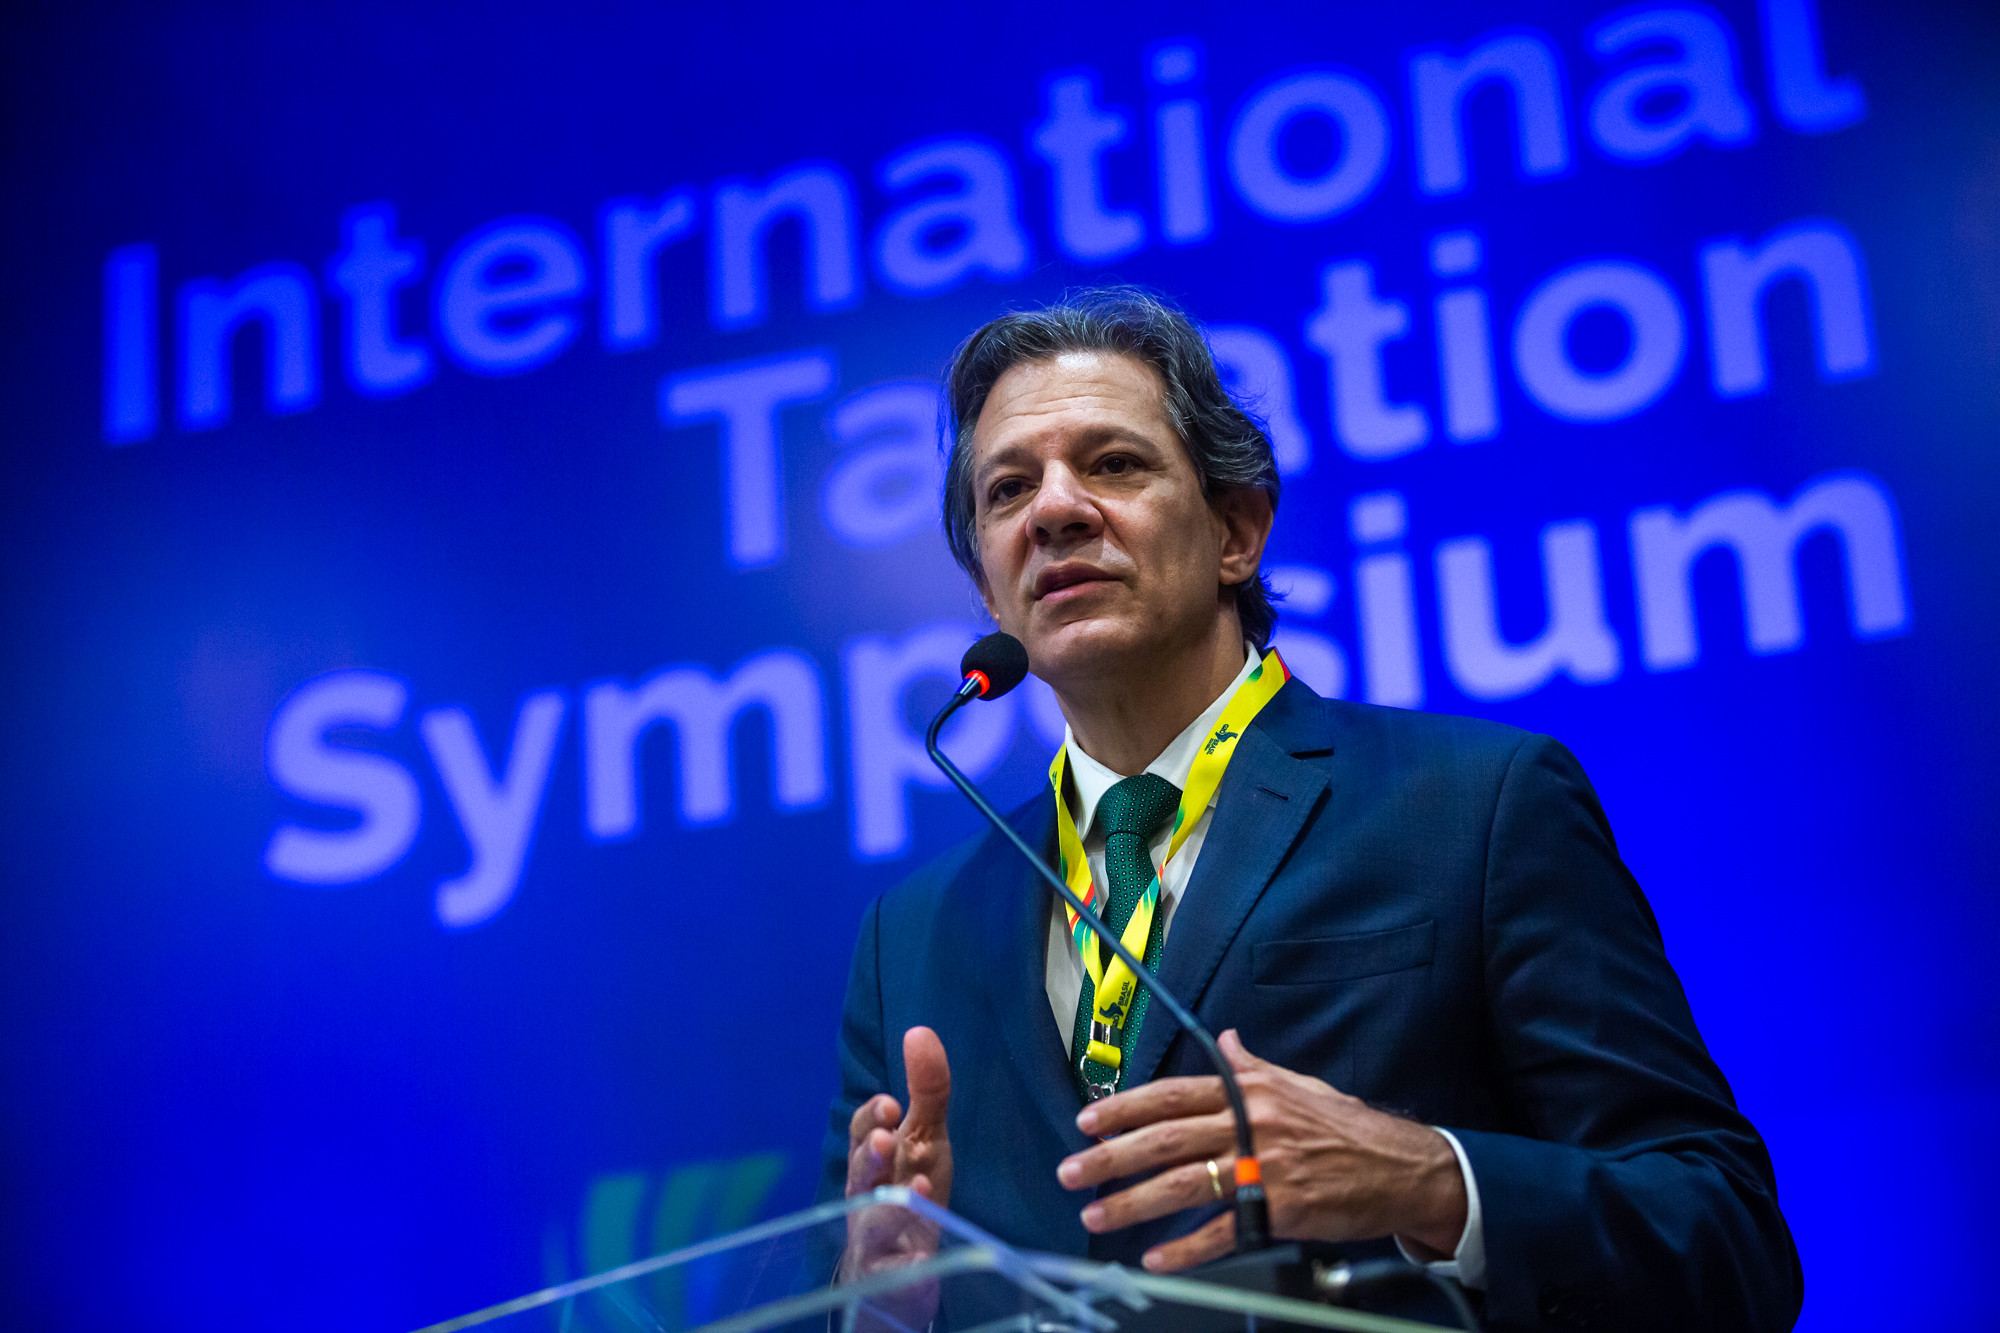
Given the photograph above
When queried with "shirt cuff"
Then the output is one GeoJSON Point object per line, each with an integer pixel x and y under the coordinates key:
{"type": "Point", "coordinates": [1468, 1261]}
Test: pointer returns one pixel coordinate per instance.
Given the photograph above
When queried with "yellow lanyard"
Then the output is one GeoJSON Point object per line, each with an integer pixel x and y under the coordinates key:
{"type": "Point", "coordinates": [1115, 985]}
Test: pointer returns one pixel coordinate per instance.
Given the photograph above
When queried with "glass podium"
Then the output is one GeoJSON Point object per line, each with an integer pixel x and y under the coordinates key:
{"type": "Point", "coordinates": [774, 1276]}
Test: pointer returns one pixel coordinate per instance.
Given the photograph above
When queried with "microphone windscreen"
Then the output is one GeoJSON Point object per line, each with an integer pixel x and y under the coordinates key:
{"type": "Point", "coordinates": [1001, 657]}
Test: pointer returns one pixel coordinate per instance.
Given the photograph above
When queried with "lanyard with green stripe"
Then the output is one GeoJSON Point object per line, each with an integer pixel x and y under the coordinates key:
{"type": "Point", "coordinates": [1115, 984]}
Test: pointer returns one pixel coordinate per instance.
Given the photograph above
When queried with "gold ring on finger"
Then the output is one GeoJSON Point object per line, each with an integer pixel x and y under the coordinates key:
{"type": "Point", "coordinates": [1215, 1177]}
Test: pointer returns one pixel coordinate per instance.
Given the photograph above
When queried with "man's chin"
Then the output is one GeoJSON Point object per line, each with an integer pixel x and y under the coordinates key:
{"type": "Point", "coordinates": [1087, 647]}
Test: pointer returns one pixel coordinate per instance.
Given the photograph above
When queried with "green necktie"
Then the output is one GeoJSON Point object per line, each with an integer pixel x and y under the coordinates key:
{"type": "Point", "coordinates": [1131, 813]}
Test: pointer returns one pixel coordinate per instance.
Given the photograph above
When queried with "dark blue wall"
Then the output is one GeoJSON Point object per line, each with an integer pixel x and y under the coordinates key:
{"type": "Point", "coordinates": [406, 407]}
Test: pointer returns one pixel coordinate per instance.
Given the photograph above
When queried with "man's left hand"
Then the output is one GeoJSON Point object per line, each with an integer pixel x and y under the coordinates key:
{"type": "Point", "coordinates": [1334, 1168]}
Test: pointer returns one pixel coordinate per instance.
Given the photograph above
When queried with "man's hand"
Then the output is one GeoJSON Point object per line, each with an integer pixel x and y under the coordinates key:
{"type": "Point", "coordinates": [887, 1147]}
{"type": "Point", "coordinates": [1334, 1168]}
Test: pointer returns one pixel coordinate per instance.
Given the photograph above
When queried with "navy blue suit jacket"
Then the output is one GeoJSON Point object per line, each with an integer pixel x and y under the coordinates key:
{"type": "Point", "coordinates": [1426, 912]}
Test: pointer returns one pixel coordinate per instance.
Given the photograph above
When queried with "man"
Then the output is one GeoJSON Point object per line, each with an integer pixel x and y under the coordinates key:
{"type": "Point", "coordinates": [1445, 997]}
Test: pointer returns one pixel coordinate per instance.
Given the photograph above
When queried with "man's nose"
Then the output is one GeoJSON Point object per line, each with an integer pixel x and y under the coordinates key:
{"type": "Point", "coordinates": [1063, 508]}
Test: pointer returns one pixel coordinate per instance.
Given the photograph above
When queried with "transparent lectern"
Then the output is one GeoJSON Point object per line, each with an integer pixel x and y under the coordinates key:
{"type": "Point", "coordinates": [773, 1276]}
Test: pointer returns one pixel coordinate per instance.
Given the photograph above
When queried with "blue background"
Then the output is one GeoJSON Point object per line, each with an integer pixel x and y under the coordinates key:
{"type": "Point", "coordinates": [233, 1100]}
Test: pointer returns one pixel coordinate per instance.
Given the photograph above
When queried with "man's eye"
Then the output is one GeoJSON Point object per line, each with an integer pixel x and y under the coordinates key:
{"type": "Point", "coordinates": [1117, 464]}
{"type": "Point", "coordinates": [1004, 491]}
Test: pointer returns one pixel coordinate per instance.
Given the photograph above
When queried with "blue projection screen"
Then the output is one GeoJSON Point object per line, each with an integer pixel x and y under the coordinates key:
{"type": "Point", "coordinates": [473, 578]}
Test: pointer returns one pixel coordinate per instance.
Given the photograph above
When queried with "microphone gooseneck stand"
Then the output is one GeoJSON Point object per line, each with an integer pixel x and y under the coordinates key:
{"type": "Point", "coordinates": [1253, 1219]}
{"type": "Point", "coordinates": [992, 667]}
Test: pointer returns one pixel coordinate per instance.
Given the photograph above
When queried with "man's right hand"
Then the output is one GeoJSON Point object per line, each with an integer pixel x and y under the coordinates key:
{"type": "Point", "coordinates": [885, 1146]}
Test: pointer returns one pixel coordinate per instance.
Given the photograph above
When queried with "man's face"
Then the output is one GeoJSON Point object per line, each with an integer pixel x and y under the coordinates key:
{"type": "Point", "coordinates": [1096, 545]}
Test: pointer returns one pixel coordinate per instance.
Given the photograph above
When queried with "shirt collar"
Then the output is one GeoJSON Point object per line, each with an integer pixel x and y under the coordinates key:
{"type": "Point", "coordinates": [1092, 779]}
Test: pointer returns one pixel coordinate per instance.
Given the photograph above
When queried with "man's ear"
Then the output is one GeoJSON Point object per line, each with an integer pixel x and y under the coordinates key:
{"type": "Point", "coordinates": [979, 584]}
{"type": "Point", "coordinates": [1246, 514]}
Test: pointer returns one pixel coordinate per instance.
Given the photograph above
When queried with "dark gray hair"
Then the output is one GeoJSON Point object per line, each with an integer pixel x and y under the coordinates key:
{"type": "Point", "coordinates": [1226, 444]}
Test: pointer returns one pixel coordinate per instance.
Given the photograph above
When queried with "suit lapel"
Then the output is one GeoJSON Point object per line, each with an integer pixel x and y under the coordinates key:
{"type": "Point", "coordinates": [1015, 961]}
{"type": "Point", "coordinates": [1263, 804]}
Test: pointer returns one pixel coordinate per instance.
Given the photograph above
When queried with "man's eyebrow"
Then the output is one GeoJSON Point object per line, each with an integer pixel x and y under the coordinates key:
{"type": "Point", "coordinates": [1090, 437]}
{"type": "Point", "coordinates": [1112, 431]}
{"type": "Point", "coordinates": [1001, 457]}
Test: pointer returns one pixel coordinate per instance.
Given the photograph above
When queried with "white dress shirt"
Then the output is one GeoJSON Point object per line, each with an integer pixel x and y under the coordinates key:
{"type": "Point", "coordinates": [1089, 780]}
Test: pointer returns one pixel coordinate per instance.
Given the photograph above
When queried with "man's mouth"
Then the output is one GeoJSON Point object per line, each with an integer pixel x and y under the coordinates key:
{"type": "Point", "coordinates": [1058, 578]}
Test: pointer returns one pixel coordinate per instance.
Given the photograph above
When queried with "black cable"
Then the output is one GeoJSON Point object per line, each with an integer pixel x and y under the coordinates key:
{"type": "Point", "coordinates": [1342, 1282]}
{"type": "Point", "coordinates": [1456, 1297]}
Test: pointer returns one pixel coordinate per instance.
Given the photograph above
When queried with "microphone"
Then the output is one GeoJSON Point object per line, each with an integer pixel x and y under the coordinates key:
{"type": "Point", "coordinates": [995, 665]}
{"type": "Point", "coordinates": [991, 667]}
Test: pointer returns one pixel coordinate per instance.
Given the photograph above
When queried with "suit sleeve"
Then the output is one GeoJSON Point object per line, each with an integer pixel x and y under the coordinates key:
{"type": "Point", "coordinates": [1638, 1196]}
{"type": "Point", "coordinates": [863, 1074]}
{"type": "Point", "coordinates": [863, 1069]}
